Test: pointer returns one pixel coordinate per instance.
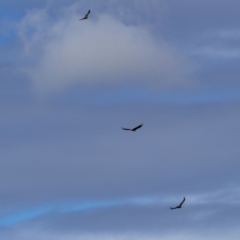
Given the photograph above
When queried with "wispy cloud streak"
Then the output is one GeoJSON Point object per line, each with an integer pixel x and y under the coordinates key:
{"type": "Point", "coordinates": [225, 196]}
{"type": "Point", "coordinates": [29, 214]}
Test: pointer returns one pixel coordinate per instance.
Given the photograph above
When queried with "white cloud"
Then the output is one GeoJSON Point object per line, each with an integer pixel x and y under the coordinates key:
{"type": "Point", "coordinates": [39, 234]}
{"type": "Point", "coordinates": [97, 52]}
{"type": "Point", "coordinates": [229, 195]}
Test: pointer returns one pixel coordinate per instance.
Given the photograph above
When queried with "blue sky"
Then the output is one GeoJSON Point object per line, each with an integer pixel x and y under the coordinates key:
{"type": "Point", "coordinates": [67, 87]}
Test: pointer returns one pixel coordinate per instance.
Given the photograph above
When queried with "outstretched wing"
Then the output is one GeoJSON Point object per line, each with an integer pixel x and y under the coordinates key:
{"type": "Point", "coordinates": [87, 13]}
{"type": "Point", "coordinates": [139, 126]}
{"type": "Point", "coordinates": [128, 129]}
{"type": "Point", "coordinates": [86, 16]}
{"type": "Point", "coordinates": [180, 205]}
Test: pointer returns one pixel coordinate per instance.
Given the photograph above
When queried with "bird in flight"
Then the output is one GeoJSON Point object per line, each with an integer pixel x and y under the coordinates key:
{"type": "Point", "coordinates": [133, 129]}
{"type": "Point", "coordinates": [86, 16]}
{"type": "Point", "coordinates": [179, 206]}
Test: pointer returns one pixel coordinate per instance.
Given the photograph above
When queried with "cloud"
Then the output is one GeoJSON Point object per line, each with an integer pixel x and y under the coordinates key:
{"type": "Point", "coordinates": [13, 218]}
{"type": "Point", "coordinates": [218, 53]}
{"type": "Point", "coordinates": [39, 234]}
{"type": "Point", "coordinates": [91, 153]}
{"type": "Point", "coordinates": [223, 197]}
{"type": "Point", "coordinates": [65, 162]}
{"type": "Point", "coordinates": [219, 45]}
{"type": "Point", "coordinates": [96, 52]}
{"type": "Point", "coordinates": [53, 153]}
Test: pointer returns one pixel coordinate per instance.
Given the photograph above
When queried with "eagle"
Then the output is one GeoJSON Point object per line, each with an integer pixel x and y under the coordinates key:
{"type": "Point", "coordinates": [179, 206]}
{"type": "Point", "coordinates": [133, 129]}
{"type": "Point", "coordinates": [86, 16]}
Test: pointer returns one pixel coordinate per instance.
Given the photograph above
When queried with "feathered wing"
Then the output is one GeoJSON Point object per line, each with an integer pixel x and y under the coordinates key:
{"type": "Point", "coordinates": [128, 129]}
{"type": "Point", "coordinates": [87, 13]}
{"type": "Point", "coordinates": [180, 205]}
{"type": "Point", "coordinates": [139, 126]}
{"type": "Point", "coordinates": [133, 129]}
{"type": "Point", "coordinates": [86, 16]}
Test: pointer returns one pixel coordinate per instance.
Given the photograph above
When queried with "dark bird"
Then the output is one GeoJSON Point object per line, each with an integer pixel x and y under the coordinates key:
{"type": "Point", "coordinates": [179, 206]}
{"type": "Point", "coordinates": [86, 16]}
{"type": "Point", "coordinates": [133, 129]}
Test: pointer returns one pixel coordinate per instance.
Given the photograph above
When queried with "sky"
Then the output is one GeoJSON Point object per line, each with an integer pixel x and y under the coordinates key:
{"type": "Point", "coordinates": [68, 171]}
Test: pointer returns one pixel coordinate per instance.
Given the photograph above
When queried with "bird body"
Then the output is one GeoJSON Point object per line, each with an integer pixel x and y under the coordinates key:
{"type": "Point", "coordinates": [179, 206]}
{"type": "Point", "coordinates": [133, 129]}
{"type": "Point", "coordinates": [86, 16]}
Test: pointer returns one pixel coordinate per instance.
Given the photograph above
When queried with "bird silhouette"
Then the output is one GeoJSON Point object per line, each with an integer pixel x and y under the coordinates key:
{"type": "Point", "coordinates": [86, 16]}
{"type": "Point", "coordinates": [133, 129]}
{"type": "Point", "coordinates": [179, 206]}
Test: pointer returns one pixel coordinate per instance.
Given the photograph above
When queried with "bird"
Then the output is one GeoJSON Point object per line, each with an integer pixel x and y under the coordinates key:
{"type": "Point", "coordinates": [133, 129]}
{"type": "Point", "coordinates": [86, 16]}
{"type": "Point", "coordinates": [180, 205]}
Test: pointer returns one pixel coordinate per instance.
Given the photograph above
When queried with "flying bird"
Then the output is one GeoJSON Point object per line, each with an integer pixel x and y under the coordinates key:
{"type": "Point", "coordinates": [133, 129]}
{"type": "Point", "coordinates": [179, 206]}
{"type": "Point", "coordinates": [86, 16]}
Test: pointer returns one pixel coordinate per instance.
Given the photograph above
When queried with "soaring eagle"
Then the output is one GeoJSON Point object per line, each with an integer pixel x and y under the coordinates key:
{"type": "Point", "coordinates": [133, 129]}
{"type": "Point", "coordinates": [179, 206]}
{"type": "Point", "coordinates": [86, 16]}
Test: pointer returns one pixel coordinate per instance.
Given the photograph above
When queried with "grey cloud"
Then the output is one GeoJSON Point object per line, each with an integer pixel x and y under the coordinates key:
{"type": "Point", "coordinates": [66, 154]}
{"type": "Point", "coordinates": [207, 32]}
{"type": "Point", "coordinates": [66, 149]}
{"type": "Point", "coordinates": [203, 32]}
{"type": "Point", "coordinates": [38, 234]}
{"type": "Point", "coordinates": [144, 220]}
{"type": "Point", "coordinates": [190, 18]}
{"type": "Point", "coordinates": [117, 53]}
